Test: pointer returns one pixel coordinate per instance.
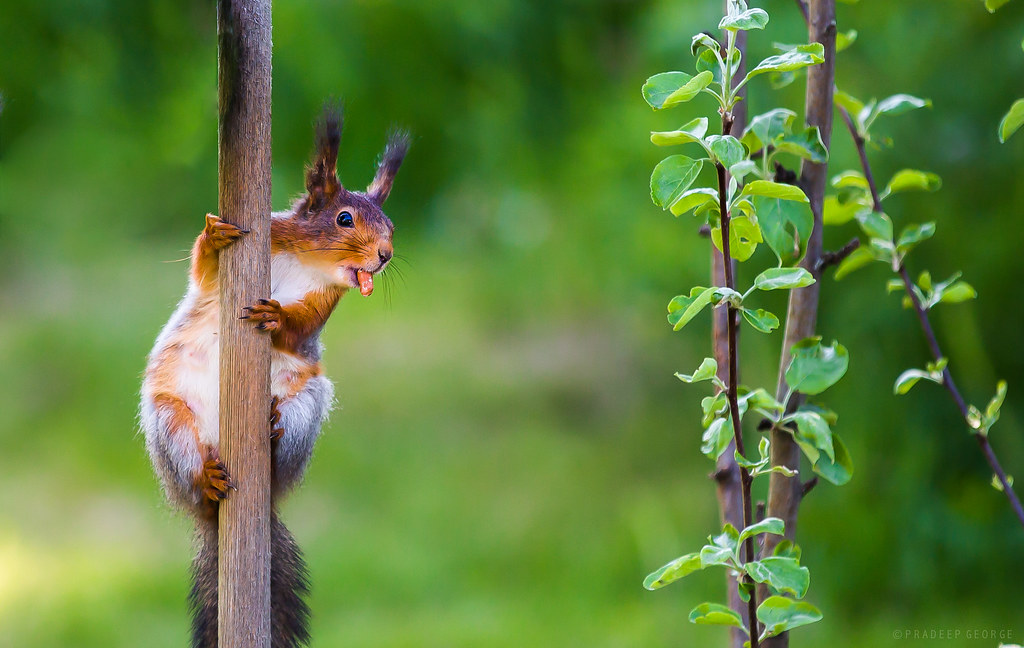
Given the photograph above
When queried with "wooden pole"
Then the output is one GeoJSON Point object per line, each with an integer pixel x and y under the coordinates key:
{"type": "Point", "coordinates": [785, 493]}
{"type": "Point", "coordinates": [243, 31]}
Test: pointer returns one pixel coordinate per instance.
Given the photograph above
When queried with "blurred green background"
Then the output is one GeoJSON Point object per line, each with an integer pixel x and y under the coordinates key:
{"type": "Point", "coordinates": [511, 454]}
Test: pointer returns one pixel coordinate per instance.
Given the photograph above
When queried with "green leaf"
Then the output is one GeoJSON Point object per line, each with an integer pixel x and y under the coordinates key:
{"type": "Point", "coordinates": [912, 180]}
{"type": "Point", "coordinates": [785, 225]}
{"type": "Point", "coordinates": [784, 575]}
{"type": "Point", "coordinates": [848, 179]}
{"type": "Point", "coordinates": [726, 149]}
{"type": "Point", "coordinates": [801, 57]}
{"type": "Point", "coordinates": [673, 571]}
{"type": "Point", "coordinates": [780, 614]}
{"type": "Point", "coordinates": [770, 189]}
{"type": "Point", "coordinates": [901, 103]}
{"type": "Point", "coordinates": [806, 144]}
{"type": "Point", "coordinates": [684, 308]}
{"type": "Point", "coordinates": [703, 41]}
{"type": "Point", "coordinates": [998, 485]}
{"type": "Point", "coordinates": [772, 525]}
{"type": "Point", "coordinates": [857, 260]}
{"type": "Point", "coordinates": [992, 5]}
{"type": "Point", "coordinates": [708, 62]}
{"type": "Point", "coordinates": [776, 278]}
{"type": "Point", "coordinates": [961, 291]}
{"type": "Point", "coordinates": [692, 131]}
{"type": "Point", "coordinates": [714, 407]}
{"type": "Point", "coordinates": [711, 555]}
{"type": "Point", "coordinates": [906, 380]}
{"type": "Point", "coordinates": [671, 88]}
{"type": "Point", "coordinates": [716, 438]}
{"type": "Point", "coordinates": [875, 224]}
{"type": "Point", "coordinates": [766, 127]}
{"type": "Point", "coordinates": [671, 178]}
{"type": "Point", "coordinates": [742, 169]}
{"type": "Point", "coordinates": [1012, 120]}
{"type": "Point", "coordinates": [744, 235]}
{"type": "Point", "coordinates": [913, 235]}
{"type": "Point", "coordinates": [814, 430]}
{"type": "Point", "coordinates": [715, 614]}
{"type": "Point", "coordinates": [838, 471]}
{"type": "Point", "coordinates": [706, 371]}
{"type": "Point", "coordinates": [749, 19]}
{"type": "Point", "coordinates": [787, 549]}
{"type": "Point", "coordinates": [991, 414]}
{"type": "Point", "coordinates": [693, 199]}
{"type": "Point", "coordinates": [840, 213]}
{"type": "Point", "coordinates": [852, 104]}
{"type": "Point", "coordinates": [760, 319]}
{"type": "Point", "coordinates": [814, 367]}
{"type": "Point", "coordinates": [845, 39]}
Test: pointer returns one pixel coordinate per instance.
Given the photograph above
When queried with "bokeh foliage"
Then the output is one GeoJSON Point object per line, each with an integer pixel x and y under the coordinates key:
{"type": "Point", "coordinates": [511, 453]}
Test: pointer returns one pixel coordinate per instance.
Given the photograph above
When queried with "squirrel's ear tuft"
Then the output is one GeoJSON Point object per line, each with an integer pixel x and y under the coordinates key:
{"type": "Point", "coordinates": [390, 160]}
{"type": "Point", "coordinates": [322, 176]}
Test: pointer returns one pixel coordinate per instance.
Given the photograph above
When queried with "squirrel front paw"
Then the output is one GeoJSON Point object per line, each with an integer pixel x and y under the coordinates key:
{"type": "Point", "coordinates": [275, 417]}
{"type": "Point", "coordinates": [215, 481]}
{"type": "Point", "coordinates": [266, 314]}
{"type": "Point", "coordinates": [220, 233]}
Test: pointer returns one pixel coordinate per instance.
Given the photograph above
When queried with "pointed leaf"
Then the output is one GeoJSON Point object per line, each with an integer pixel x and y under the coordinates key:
{"type": "Point", "coordinates": [806, 144]}
{"type": "Point", "coordinates": [706, 371]}
{"type": "Point", "coordinates": [837, 471]}
{"type": "Point", "coordinates": [744, 235]}
{"type": "Point", "coordinates": [749, 19]}
{"type": "Point", "coordinates": [772, 525]}
{"type": "Point", "coordinates": [694, 199]}
{"type": "Point", "coordinates": [692, 131]}
{"type": "Point", "coordinates": [906, 380]}
{"type": "Point", "coordinates": [770, 189]}
{"type": "Point", "coordinates": [801, 57]}
{"type": "Point", "coordinates": [671, 178]}
{"type": "Point", "coordinates": [776, 278]}
{"type": "Point", "coordinates": [901, 103]}
{"type": "Point", "coordinates": [913, 235]}
{"type": "Point", "coordinates": [875, 224]}
{"type": "Point", "coordinates": [785, 225]}
{"type": "Point", "coordinates": [727, 149]}
{"type": "Point", "coordinates": [671, 88]}
{"type": "Point", "coordinates": [814, 367]}
{"type": "Point", "coordinates": [769, 126]}
{"type": "Point", "coordinates": [784, 575]}
{"type": "Point", "coordinates": [715, 614]}
{"type": "Point", "coordinates": [673, 571]}
{"type": "Point", "coordinates": [684, 308]}
{"type": "Point", "coordinates": [760, 319]}
{"type": "Point", "coordinates": [1012, 120]}
{"type": "Point", "coordinates": [716, 438]}
{"type": "Point", "coordinates": [912, 180]}
{"type": "Point", "coordinates": [780, 614]}
{"type": "Point", "coordinates": [814, 430]}
{"type": "Point", "coordinates": [857, 260]}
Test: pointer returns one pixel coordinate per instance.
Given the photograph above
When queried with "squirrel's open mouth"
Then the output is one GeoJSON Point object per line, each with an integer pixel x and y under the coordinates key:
{"type": "Point", "coordinates": [361, 278]}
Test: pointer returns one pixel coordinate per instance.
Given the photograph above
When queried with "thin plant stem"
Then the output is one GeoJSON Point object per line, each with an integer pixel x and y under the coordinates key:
{"type": "Point", "coordinates": [929, 332]}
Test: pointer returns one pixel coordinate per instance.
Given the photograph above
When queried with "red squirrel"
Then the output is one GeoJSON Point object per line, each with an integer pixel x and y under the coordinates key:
{"type": "Point", "coordinates": [331, 240]}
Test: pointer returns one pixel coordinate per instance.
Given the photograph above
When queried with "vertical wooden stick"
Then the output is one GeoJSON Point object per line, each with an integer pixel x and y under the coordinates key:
{"type": "Point", "coordinates": [784, 493]}
{"type": "Point", "coordinates": [243, 29]}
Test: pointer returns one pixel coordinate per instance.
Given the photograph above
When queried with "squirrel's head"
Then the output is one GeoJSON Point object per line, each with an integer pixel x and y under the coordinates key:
{"type": "Point", "coordinates": [344, 233]}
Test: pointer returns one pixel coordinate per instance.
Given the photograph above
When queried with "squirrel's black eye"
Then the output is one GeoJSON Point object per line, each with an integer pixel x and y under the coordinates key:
{"type": "Point", "coordinates": [345, 219]}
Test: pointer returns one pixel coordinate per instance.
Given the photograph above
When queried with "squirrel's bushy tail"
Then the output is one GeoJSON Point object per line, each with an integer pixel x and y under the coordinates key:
{"type": "Point", "coordinates": [289, 583]}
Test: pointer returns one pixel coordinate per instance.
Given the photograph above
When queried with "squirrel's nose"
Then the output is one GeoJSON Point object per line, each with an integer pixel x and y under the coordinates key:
{"type": "Point", "coordinates": [384, 255]}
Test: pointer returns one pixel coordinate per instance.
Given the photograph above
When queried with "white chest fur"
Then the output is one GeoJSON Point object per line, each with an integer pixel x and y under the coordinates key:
{"type": "Point", "coordinates": [290, 280]}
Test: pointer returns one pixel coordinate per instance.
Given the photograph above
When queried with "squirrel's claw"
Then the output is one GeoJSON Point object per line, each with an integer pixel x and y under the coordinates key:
{"type": "Point", "coordinates": [265, 314]}
{"type": "Point", "coordinates": [220, 233]}
{"type": "Point", "coordinates": [215, 480]}
{"type": "Point", "coordinates": [275, 417]}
